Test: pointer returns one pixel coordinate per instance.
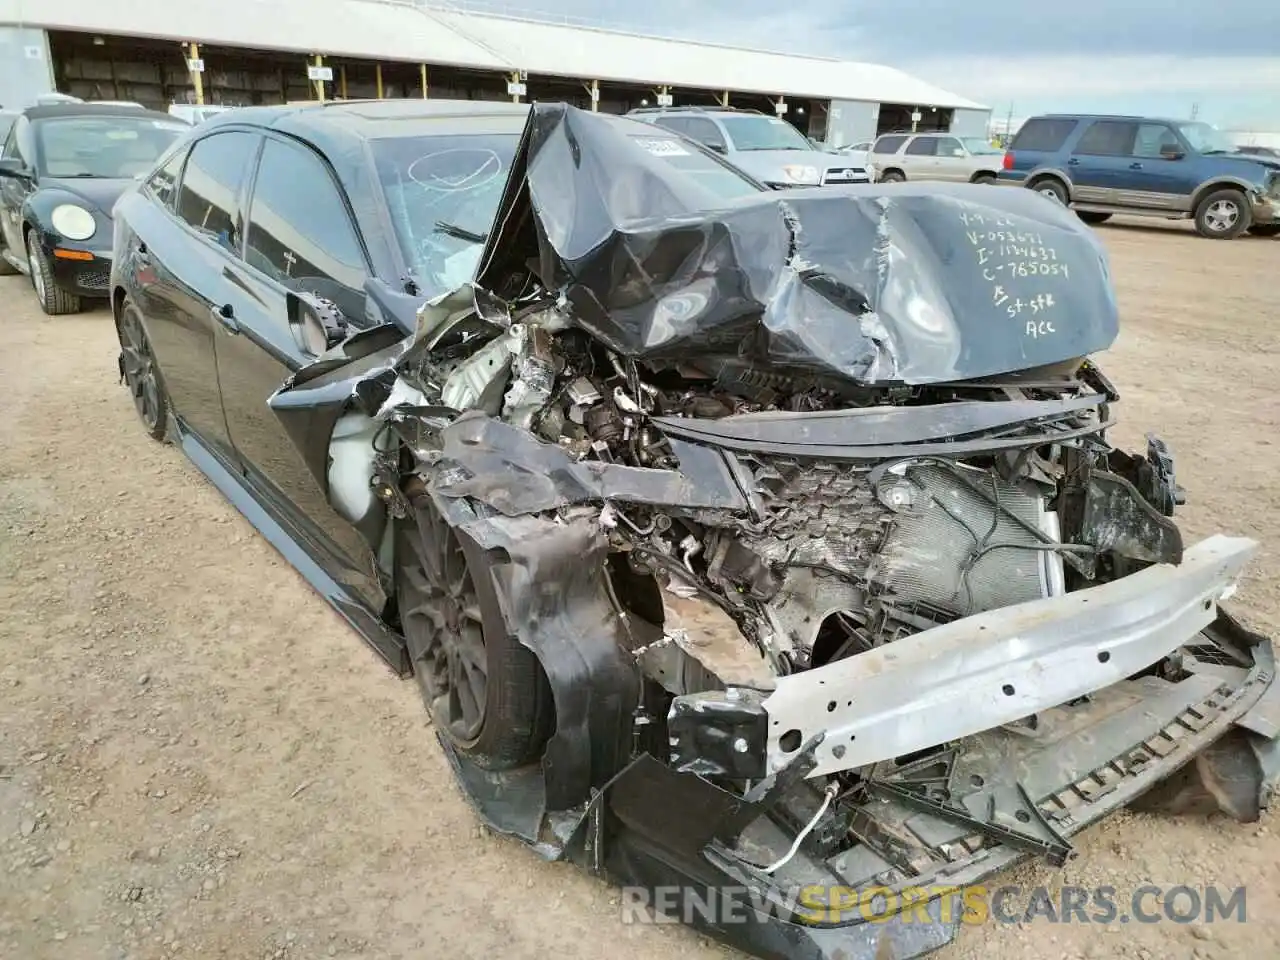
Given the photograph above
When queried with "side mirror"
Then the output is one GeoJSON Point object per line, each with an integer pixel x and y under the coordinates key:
{"type": "Point", "coordinates": [1171, 151]}
{"type": "Point", "coordinates": [958, 152]}
{"type": "Point", "coordinates": [13, 168]}
{"type": "Point", "coordinates": [317, 325]}
{"type": "Point", "coordinates": [717, 147]}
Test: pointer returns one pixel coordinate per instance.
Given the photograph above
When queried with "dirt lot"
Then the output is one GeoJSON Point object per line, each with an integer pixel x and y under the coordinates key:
{"type": "Point", "coordinates": [198, 759]}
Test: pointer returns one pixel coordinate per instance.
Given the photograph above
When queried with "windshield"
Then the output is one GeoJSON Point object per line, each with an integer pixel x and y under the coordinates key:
{"type": "Point", "coordinates": [978, 146]}
{"type": "Point", "coordinates": [712, 175]}
{"type": "Point", "coordinates": [1205, 138]}
{"type": "Point", "coordinates": [113, 148]}
{"type": "Point", "coordinates": [443, 193]}
{"type": "Point", "coordinates": [757, 132]}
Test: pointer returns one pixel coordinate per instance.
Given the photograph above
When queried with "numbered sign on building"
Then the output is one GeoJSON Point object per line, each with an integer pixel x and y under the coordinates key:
{"type": "Point", "coordinates": [516, 89]}
{"type": "Point", "coordinates": [665, 100]}
{"type": "Point", "coordinates": [195, 64]}
{"type": "Point", "coordinates": [320, 73]}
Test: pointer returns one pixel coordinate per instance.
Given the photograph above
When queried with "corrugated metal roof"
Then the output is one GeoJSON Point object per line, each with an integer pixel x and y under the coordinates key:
{"type": "Point", "coordinates": [354, 28]}
{"type": "Point", "coordinates": [590, 52]}
{"type": "Point", "coordinates": [403, 30]}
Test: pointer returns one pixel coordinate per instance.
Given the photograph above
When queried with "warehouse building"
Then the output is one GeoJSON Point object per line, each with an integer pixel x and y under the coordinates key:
{"type": "Point", "coordinates": [243, 52]}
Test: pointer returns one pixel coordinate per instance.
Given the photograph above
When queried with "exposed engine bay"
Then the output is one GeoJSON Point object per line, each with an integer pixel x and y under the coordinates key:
{"type": "Point", "coordinates": [806, 508]}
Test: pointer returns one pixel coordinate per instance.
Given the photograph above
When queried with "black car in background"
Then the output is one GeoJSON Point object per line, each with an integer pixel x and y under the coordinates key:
{"type": "Point", "coordinates": [61, 169]}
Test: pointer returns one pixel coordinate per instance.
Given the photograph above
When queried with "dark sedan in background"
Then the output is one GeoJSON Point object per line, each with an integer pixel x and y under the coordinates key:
{"type": "Point", "coordinates": [62, 168]}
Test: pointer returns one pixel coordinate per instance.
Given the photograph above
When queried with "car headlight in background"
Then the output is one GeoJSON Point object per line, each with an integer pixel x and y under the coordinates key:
{"type": "Point", "coordinates": [73, 222]}
{"type": "Point", "coordinates": [801, 174]}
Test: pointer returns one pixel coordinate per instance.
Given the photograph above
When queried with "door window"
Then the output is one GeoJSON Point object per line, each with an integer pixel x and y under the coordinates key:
{"type": "Point", "coordinates": [163, 184]}
{"type": "Point", "coordinates": [949, 147]}
{"type": "Point", "coordinates": [1043, 134]}
{"type": "Point", "coordinates": [1153, 139]}
{"type": "Point", "coordinates": [13, 144]}
{"type": "Point", "coordinates": [300, 233]}
{"type": "Point", "coordinates": [209, 199]}
{"type": "Point", "coordinates": [672, 123]}
{"type": "Point", "coordinates": [1107, 138]}
{"type": "Point", "coordinates": [888, 144]}
{"type": "Point", "coordinates": [922, 147]}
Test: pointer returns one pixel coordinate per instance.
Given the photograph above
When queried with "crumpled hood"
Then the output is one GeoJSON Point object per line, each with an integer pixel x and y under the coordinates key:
{"type": "Point", "coordinates": [906, 283]}
{"type": "Point", "coordinates": [1271, 163]}
{"type": "Point", "coordinates": [100, 194]}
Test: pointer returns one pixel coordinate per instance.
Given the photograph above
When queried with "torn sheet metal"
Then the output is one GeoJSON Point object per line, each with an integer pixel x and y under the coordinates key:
{"type": "Point", "coordinates": [915, 283]}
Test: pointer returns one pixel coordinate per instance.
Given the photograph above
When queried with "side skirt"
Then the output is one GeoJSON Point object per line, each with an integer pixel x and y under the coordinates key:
{"type": "Point", "coordinates": [386, 643]}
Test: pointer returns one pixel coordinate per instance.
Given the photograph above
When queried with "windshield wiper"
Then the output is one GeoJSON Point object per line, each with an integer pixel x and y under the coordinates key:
{"type": "Point", "coordinates": [462, 233]}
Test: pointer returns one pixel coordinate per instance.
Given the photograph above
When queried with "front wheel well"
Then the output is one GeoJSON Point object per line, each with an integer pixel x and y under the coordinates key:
{"type": "Point", "coordinates": [117, 302]}
{"type": "Point", "coordinates": [1209, 188]}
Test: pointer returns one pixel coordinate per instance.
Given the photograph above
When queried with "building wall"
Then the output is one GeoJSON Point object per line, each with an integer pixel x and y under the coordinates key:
{"type": "Point", "coordinates": [970, 123]}
{"type": "Point", "coordinates": [1255, 138]}
{"type": "Point", "coordinates": [25, 66]}
{"type": "Point", "coordinates": [851, 121]}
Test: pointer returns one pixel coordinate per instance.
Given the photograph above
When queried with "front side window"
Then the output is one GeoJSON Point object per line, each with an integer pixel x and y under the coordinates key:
{"type": "Point", "coordinates": [1107, 138]}
{"type": "Point", "coordinates": [443, 194]}
{"type": "Point", "coordinates": [300, 233]}
{"type": "Point", "coordinates": [888, 144]}
{"type": "Point", "coordinates": [107, 147]}
{"type": "Point", "coordinates": [1155, 140]}
{"type": "Point", "coordinates": [209, 199]}
{"type": "Point", "coordinates": [949, 147]}
{"type": "Point", "coordinates": [756, 132]}
{"type": "Point", "coordinates": [980, 147]}
{"type": "Point", "coordinates": [705, 132]}
{"type": "Point", "coordinates": [163, 184]}
{"type": "Point", "coordinates": [922, 147]}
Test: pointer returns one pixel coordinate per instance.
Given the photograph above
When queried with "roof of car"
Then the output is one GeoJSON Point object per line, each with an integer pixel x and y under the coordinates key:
{"type": "Point", "coordinates": [47, 111]}
{"type": "Point", "coordinates": [1105, 116]}
{"type": "Point", "coordinates": [367, 119]}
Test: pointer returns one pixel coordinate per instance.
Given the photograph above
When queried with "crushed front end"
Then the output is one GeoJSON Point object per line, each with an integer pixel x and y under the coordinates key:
{"type": "Point", "coordinates": [807, 511]}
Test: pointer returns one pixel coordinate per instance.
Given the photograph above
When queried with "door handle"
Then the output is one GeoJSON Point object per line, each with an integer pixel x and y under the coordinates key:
{"type": "Point", "coordinates": [225, 315]}
{"type": "Point", "coordinates": [1135, 166]}
{"type": "Point", "coordinates": [1073, 162]}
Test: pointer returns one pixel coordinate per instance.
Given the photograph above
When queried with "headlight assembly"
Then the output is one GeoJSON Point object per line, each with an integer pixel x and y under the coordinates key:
{"type": "Point", "coordinates": [801, 174]}
{"type": "Point", "coordinates": [73, 222]}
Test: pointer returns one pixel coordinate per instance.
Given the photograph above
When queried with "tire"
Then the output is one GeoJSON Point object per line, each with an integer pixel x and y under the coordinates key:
{"type": "Point", "coordinates": [1265, 230]}
{"type": "Point", "coordinates": [1223, 215]}
{"type": "Point", "coordinates": [453, 626]}
{"type": "Point", "coordinates": [140, 373]}
{"type": "Point", "coordinates": [893, 176]}
{"type": "Point", "coordinates": [53, 300]}
{"type": "Point", "coordinates": [1089, 216]}
{"type": "Point", "coordinates": [984, 178]}
{"type": "Point", "coordinates": [1053, 189]}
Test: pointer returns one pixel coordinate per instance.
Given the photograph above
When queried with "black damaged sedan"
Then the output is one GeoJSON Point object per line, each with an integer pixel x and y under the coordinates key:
{"type": "Point", "coordinates": [62, 168]}
{"type": "Point", "coordinates": [763, 551]}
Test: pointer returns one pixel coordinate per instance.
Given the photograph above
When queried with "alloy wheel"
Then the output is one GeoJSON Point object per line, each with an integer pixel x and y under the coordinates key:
{"type": "Point", "coordinates": [1222, 215]}
{"type": "Point", "coordinates": [139, 368]}
{"type": "Point", "coordinates": [35, 265]}
{"type": "Point", "coordinates": [444, 627]}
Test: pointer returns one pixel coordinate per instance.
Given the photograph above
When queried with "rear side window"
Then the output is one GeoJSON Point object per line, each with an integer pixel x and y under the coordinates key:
{"type": "Point", "coordinates": [922, 147]}
{"type": "Point", "coordinates": [1046, 134]}
{"type": "Point", "coordinates": [888, 144]}
{"type": "Point", "coordinates": [300, 233]}
{"type": "Point", "coordinates": [672, 123]}
{"type": "Point", "coordinates": [1107, 138]}
{"type": "Point", "coordinates": [209, 199]}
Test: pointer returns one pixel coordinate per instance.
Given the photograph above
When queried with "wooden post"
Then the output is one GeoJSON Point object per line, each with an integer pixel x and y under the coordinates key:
{"type": "Point", "coordinates": [593, 91]}
{"type": "Point", "coordinates": [515, 78]}
{"type": "Point", "coordinates": [378, 72]}
{"type": "Point", "coordinates": [197, 78]}
{"type": "Point", "coordinates": [319, 84]}
{"type": "Point", "coordinates": [724, 99]}
{"type": "Point", "coordinates": [422, 72]}
{"type": "Point", "coordinates": [342, 81]}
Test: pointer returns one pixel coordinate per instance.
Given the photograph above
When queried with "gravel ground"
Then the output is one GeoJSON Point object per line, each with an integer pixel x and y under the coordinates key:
{"type": "Point", "coordinates": [197, 759]}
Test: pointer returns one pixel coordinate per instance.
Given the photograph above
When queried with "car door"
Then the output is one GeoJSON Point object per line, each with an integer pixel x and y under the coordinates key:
{"type": "Point", "coordinates": [1100, 163]}
{"type": "Point", "coordinates": [300, 238]}
{"type": "Point", "coordinates": [177, 254]}
{"type": "Point", "coordinates": [15, 190]}
{"type": "Point", "coordinates": [1161, 175]}
{"type": "Point", "coordinates": [919, 159]}
{"type": "Point", "coordinates": [951, 160]}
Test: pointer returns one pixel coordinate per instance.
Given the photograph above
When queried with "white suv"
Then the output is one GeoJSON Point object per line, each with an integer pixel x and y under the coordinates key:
{"type": "Point", "coordinates": [935, 156]}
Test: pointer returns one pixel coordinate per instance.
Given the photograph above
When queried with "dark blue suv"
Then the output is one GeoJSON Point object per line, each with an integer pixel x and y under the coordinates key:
{"type": "Point", "coordinates": [1176, 169]}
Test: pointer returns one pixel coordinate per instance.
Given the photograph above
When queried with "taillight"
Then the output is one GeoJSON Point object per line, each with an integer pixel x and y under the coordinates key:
{"type": "Point", "coordinates": [1008, 160]}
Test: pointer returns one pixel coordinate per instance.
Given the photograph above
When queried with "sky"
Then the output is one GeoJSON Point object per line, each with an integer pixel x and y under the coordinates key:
{"type": "Point", "coordinates": [1220, 59]}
